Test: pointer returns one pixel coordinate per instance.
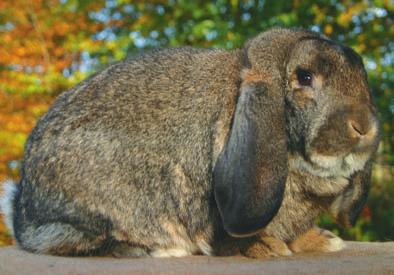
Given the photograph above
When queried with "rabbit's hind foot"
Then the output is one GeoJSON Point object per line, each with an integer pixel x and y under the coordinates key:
{"type": "Point", "coordinates": [129, 251]}
{"type": "Point", "coordinates": [59, 239]}
{"type": "Point", "coordinates": [125, 250]}
{"type": "Point", "coordinates": [170, 252]}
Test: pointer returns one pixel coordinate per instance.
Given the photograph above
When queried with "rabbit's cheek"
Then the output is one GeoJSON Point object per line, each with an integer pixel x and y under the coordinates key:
{"type": "Point", "coordinates": [330, 143]}
{"type": "Point", "coordinates": [332, 138]}
{"type": "Point", "coordinates": [302, 98]}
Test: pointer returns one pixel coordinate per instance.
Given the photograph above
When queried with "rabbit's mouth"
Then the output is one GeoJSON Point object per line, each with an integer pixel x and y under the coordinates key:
{"type": "Point", "coordinates": [329, 166]}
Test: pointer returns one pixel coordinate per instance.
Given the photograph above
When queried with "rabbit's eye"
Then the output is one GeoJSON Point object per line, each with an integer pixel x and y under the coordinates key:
{"type": "Point", "coordinates": [304, 77]}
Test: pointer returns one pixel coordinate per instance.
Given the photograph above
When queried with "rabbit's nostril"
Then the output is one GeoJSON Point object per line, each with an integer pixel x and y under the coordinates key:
{"type": "Point", "coordinates": [357, 129]}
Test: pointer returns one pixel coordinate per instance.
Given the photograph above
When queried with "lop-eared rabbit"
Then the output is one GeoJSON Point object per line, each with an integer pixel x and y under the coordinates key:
{"type": "Point", "coordinates": [190, 151]}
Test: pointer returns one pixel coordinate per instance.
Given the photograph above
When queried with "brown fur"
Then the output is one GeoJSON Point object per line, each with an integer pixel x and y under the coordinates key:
{"type": "Point", "coordinates": [165, 154]}
{"type": "Point", "coordinates": [329, 167]}
{"type": "Point", "coordinates": [252, 76]}
{"type": "Point", "coordinates": [315, 239]}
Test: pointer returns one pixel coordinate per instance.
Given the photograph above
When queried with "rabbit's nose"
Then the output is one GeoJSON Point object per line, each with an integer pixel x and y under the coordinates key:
{"type": "Point", "coordinates": [366, 131]}
{"type": "Point", "coordinates": [357, 129]}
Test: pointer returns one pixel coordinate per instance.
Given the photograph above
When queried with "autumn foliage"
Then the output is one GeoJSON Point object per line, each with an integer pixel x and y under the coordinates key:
{"type": "Point", "coordinates": [47, 46]}
{"type": "Point", "coordinates": [40, 48]}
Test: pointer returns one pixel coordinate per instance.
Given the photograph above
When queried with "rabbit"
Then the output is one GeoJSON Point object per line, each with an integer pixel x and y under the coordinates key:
{"type": "Point", "coordinates": [184, 151]}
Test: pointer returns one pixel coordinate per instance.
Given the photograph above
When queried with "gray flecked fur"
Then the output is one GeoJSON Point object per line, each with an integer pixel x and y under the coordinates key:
{"type": "Point", "coordinates": [128, 155]}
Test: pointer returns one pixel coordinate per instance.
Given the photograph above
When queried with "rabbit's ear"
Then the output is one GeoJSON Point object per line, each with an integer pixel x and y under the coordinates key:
{"type": "Point", "coordinates": [347, 207]}
{"type": "Point", "coordinates": [251, 171]}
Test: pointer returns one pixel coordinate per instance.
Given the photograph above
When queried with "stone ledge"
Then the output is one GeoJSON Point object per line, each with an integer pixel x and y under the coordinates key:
{"type": "Point", "coordinates": [356, 258]}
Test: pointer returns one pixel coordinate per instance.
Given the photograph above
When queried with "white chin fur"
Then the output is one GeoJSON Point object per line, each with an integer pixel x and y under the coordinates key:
{"type": "Point", "coordinates": [6, 203]}
{"type": "Point", "coordinates": [329, 166]}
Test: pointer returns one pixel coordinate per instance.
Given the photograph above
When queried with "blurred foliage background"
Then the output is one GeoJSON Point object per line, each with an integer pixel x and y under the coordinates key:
{"type": "Point", "coordinates": [47, 46]}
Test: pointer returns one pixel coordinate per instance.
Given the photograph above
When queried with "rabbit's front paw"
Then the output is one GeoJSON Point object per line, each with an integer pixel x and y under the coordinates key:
{"type": "Point", "coordinates": [317, 240]}
{"type": "Point", "coordinates": [260, 246]}
{"type": "Point", "coordinates": [266, 246]}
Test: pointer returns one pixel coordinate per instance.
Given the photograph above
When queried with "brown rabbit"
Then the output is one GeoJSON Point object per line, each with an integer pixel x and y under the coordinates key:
{"type": "Point", "coordinates": [155, 156]}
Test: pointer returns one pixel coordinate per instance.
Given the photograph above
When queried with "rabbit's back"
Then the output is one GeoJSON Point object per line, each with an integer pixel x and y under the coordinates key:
{"type": "Point", "coordinates": [133, 145]}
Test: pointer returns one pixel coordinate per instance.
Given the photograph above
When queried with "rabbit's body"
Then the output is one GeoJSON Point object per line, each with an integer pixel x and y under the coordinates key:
{"type": "Point", "coordinates": [162, 154]}
{"type": "Point", "coordinates": [306, 196]}
{"type": "Point", "coordinates": [300, 206]}
{"type": "Point", "coordinates": [132, 182]}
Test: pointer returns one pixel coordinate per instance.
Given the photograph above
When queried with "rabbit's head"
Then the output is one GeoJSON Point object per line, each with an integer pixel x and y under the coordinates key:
{"type": "Point", "coordinates": [304, 100]}
{"type": "Point", "coordinates": [331, 121]}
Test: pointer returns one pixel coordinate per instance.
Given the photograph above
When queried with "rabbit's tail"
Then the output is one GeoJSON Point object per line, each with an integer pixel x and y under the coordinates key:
{"type": "Point", "coordinates": [7, 203]}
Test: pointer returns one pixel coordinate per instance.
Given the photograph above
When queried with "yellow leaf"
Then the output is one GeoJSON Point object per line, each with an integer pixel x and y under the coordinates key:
{"type": "Point", "coordinates": [328, 29]}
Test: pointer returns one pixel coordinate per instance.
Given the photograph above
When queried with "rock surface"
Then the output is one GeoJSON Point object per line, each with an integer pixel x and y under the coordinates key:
{"type": "Point", "coordinates": [356, 258]}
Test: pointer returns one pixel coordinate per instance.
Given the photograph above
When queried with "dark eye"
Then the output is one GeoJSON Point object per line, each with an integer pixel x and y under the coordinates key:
{"type": "Point", "coordinates": [304, 77]}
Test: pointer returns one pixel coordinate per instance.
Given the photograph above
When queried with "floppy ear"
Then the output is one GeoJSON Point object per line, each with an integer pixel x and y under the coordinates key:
{"type": "Point", "coordinates": [251, 171]}
{"type": "Point", "coordinates": [348, 206]}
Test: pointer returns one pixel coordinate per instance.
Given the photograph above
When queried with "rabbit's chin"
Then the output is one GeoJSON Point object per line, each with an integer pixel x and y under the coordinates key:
{"type": "Point", "coordinates": [328, 166]}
